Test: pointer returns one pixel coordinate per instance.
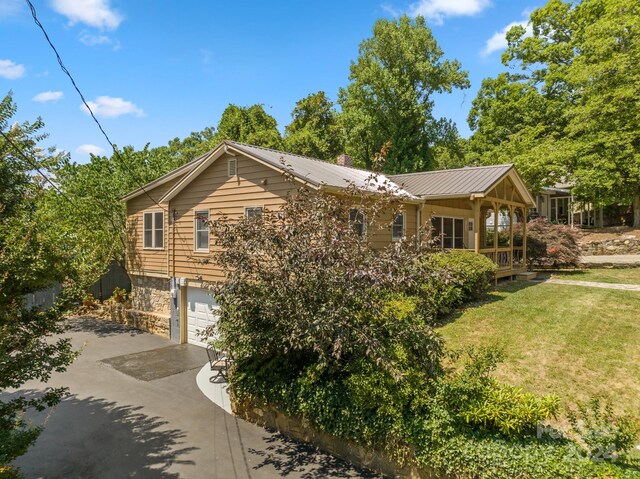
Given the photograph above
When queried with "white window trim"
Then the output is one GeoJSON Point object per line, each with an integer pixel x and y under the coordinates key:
{"type": "Point", "coordinates": [247, 208]}
{"type": "Point", "coordinates": [195, 232]}
{"type": "Point", "coordinates": [153, 230]}
{"type": "Point", "coordinates": [233, 161]}
{"type": "Point", "coordinates": [404, 226]}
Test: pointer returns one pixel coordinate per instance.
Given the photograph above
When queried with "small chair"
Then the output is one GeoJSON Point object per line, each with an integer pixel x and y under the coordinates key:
{"type": "Point", "coordinates": [219, 362]}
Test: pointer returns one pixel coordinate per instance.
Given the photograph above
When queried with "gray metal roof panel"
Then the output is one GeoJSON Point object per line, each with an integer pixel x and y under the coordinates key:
{"type": "Point", "coordinates": [461, 181]}
{"type": "Point", "coordinates": [316, 171]}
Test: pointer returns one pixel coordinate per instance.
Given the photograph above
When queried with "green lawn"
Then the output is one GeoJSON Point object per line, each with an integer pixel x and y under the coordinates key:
{"type": "Point", "coordinates": [567, 340]}
{"type": "Point", "coordinates": [624, 275]}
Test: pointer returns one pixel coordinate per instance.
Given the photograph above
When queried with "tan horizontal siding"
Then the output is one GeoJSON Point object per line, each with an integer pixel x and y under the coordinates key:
{"type": "Point", "coordinates": [213, 190]}
{"type": "Point", "coordinates": [138, 258]}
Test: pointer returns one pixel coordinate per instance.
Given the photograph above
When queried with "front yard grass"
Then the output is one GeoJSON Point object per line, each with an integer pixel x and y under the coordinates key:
{"type": "Point", "coordinates": [572, 341]}
{"type": "Point", "coordinates": [622, 276]}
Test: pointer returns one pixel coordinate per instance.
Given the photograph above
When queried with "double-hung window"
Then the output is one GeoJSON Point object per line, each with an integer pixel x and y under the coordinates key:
{"type": "Point", "coordinates": [397, 228]}
{"type": "Point", "coordinates": [202, 230]}
{"type": "Point", "coordinates": [153, 229]}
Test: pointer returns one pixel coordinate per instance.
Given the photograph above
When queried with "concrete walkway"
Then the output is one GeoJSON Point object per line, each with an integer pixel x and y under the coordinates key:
{"type": "Point", "coordinates": [594, 284]}
{"type": "Point", "coordinates": [116, 426]}
{"type": "Point", "coordinates": [612, 260]}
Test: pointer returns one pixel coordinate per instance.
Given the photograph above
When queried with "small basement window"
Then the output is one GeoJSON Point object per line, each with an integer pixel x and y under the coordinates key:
{"type": "Point", "coordinates": [253, 212]}
{"type": "Point", "coordinates": [202, 231]}
{"type": "Point", "coordinates": [397, 229]}
{"type": "Point", "coordinates": [232, 167]}
{"type": "Point", "coordinates": [357, 221]}
{"type": "Point", "coordinates": [153, 229]}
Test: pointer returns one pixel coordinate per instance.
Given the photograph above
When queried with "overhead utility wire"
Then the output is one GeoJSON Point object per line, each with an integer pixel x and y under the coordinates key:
{"type": "Point", "coordinates": [84, 101]}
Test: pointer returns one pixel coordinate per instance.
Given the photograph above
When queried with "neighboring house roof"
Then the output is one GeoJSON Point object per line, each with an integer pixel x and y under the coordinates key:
{"type": "Point", "coordinates": [321, 174]}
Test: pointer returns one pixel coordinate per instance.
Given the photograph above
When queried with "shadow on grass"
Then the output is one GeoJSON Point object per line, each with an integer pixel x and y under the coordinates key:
{"type": "Point", "coordinates": [288, 456]}
{"type": "Point", "coordinates": [492, 297]}
{"type": "Point", "coordinates": [100, 327]}
{"type": "Point", "coordinates": [96, 438]}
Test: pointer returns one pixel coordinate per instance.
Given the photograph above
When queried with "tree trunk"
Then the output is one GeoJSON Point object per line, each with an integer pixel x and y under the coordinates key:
{"type": "Point", "coordinates": [636, 211]}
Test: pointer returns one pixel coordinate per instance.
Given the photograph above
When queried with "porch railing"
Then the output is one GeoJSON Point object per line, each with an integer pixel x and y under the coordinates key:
{"type": "Point", "coordinates": [503, 256]}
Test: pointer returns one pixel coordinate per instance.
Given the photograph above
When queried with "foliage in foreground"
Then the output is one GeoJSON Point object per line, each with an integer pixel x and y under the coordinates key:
{"type": "Point", "coordinates": [29, 261]}
{"type": "Point", "coordinates": [328, 329]}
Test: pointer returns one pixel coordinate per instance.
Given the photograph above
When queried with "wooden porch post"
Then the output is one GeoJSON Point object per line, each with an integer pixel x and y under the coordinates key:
{"type": "Point", "coordinates": [511, 236]}
{"type": "Point", "coordinates": [476, 231]}
{"type": "Point", "coordinates": [496, 206]}
{"type": "Point", "coordinates": [524, 236]}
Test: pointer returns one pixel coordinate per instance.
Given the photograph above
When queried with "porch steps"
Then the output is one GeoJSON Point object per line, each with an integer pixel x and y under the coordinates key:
{"type": "Point", "coordinates": [526, 276]}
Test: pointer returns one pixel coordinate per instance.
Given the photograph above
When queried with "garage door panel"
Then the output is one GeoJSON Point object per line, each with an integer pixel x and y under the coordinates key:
{"type": "Point", "coordinates": [202, 312]}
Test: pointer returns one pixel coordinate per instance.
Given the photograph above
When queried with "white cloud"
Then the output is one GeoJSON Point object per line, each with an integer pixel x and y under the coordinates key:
{"type": "Point", "coordinates": [10, 8]}
{"type": "Point", "coordinates": [95, 13]}
{"type": "Point", "coordinates": [91, 40]}
{"type": "Point", "coordinates": [498, 40]}
{"type": "Point", "coordinates": [437, 10]}
{"type": "Point", "coordinates": [109, 107]}
{"type": "Point", "coordinates": [46, 96]}
{"type": "Point", "coordinates": [11, 70]}
{"type": "Point", "coordinates": [89, 150]}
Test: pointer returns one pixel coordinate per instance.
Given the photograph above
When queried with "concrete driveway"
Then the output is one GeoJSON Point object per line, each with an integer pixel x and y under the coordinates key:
{"type": "Point", "coordinates": [116, 426]}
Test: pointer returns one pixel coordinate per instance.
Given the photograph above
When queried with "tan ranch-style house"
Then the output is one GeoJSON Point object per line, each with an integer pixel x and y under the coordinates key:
{"type": "Point", "coordinates": [473, 208]}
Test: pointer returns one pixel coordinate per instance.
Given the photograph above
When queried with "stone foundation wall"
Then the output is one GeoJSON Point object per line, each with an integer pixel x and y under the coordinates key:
{"type": "Point", "coordinates": [150, 294]}
{"type": "Point", "coordinates": [622, 245]}
{"type": "Point", "coordinates": [150, 322]}
{"type": "Point", "coordinates": [295, 428]}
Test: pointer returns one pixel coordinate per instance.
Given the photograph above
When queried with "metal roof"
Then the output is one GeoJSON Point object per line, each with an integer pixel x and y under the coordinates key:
{"type": "Point", "coordinates": [446, 183]}
{"type": "Point", "coordinates": [318, 172]}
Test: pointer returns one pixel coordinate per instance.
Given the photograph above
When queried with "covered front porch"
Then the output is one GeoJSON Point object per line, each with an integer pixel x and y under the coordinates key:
{"type": "Point", "coordinates": [501, 234]}
{"type": "Point", "coordinates": [489, 218]}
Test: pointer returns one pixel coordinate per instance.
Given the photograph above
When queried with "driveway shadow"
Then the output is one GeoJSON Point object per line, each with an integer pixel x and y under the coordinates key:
{"type": "Point", "coordinates": [305, 461]}
{"type": "Point", "coordinates": [95, 438]}
{"type": "Point", "coordinates": [100, 327]}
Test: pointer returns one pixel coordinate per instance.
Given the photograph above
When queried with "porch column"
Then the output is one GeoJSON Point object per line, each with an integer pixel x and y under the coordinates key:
{"type": "Point", "coordinates": [524, 236]}
{"type": "Point", "coordinates": [476, 223]}
{"type": "Point", "coordinates": [496, 209]}
{"type": "Point", "coordinates": [511, 210]}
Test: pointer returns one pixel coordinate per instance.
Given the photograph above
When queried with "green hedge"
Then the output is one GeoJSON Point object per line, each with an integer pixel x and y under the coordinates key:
{"type": "Point", "coordinates": [446, 280]}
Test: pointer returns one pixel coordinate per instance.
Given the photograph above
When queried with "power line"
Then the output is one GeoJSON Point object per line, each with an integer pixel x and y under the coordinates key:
{"type": "Point", "coordinates": [84, 101]}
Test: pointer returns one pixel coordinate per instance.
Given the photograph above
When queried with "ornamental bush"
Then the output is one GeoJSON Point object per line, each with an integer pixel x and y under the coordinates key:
{"type": "Point", "coordinates": [550, 244]}
{"type": "Point", "coordinates": [449, 279]}
{"type": "Point", "coordinates": [326, 328]}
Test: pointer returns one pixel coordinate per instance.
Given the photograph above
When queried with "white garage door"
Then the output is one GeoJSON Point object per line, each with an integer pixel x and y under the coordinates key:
{"type": "Point", "coordinates": [201, 312]}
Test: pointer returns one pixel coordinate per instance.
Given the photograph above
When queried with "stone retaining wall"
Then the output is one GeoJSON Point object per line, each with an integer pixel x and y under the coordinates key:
{"type": "Point", "coordinates": [295, 428]}
{"type": "Point", "coordinates": [622, 245]}
{"type": "Point", "coordinates": [150, 322]}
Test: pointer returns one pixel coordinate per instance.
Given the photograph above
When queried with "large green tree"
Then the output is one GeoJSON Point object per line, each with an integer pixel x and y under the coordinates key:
{"type": "Point", "coordinates": [29, 260]}
{"type": "Point", "coordinates": [249, 125]}
{"type": "Point", "coordinates": [390, 97]}
{"type": "Point", "coordinates": [314, 130]}
{"type": "Point", "coordinates": [572, 111]}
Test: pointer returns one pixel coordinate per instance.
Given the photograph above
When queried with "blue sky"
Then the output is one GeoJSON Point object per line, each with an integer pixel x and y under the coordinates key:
{"type": "Point", "coordinates": [158, 70]}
